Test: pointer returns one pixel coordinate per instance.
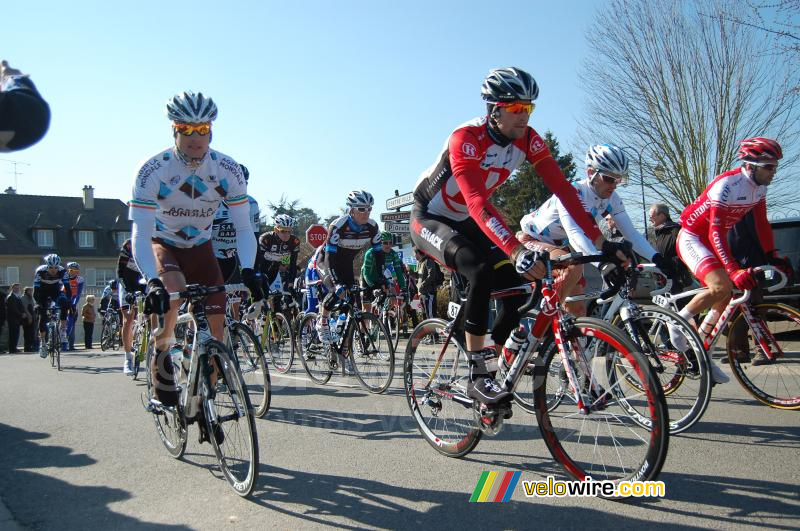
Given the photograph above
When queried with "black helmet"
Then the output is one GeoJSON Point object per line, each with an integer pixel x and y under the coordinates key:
{"type": "Point", "coordinates": [509, 84]}
{"type": "Point", "coordinates": [246, 172]}
{"type": "Point", "coordinates": [113, 284]}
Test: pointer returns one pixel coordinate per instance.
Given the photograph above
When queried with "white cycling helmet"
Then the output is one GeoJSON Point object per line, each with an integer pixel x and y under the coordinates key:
{"type": "Point", "coordinates": [606, 158]}
{"type": "Point", "coordinates": [52, 260]}
{"type": "Point", "coordinates": [191, 108]}
{"type": "Point", "coordinates": [359, 198]}
{"type": "Point", "coordinates": [509, 84]}
{"type": "Point", "coordinates": [285, 221]}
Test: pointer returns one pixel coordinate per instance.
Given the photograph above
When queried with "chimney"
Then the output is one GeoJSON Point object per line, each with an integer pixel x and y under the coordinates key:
{"type": "Point", "coordinates": [88, 197]}
{"type": "Point", "coordinates": [10, 191]}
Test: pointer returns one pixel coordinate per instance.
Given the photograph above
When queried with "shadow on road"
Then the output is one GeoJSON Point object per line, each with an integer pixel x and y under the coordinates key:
{"type": "Point", "coordinates": [368, 426]}
{"type": "Point", "coordinates": [747, 435]}
{"type": "Point", "coordinates": [39, 501]}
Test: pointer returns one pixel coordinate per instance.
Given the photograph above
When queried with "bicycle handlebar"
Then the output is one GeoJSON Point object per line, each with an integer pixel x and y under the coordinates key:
{"type": "Point", "coordinates": [763, 269]}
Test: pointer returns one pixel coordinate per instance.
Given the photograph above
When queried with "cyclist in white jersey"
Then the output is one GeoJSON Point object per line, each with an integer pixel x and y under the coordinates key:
{"type": "Point", "coordinates": [551, 228]}
{"type": "Point", "coordinates": [175, 197]}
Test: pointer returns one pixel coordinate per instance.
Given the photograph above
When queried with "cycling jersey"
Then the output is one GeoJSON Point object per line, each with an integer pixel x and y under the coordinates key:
{"type": "Point", "coordinates": [76, 284]}
{"type": "Point", "coordinates": [127, 271]}
{"type": "Point", "coordinates": [51, 283]}
{"type": "Point", "coordinates": [473, 163]}
{"type": "Point", "coordinates": [551, 223]}
{"type": "Point", "coordinates": [372, 276]}
{"type": "Point", "coordinates": [223, 232]}
{"type": "Point", "coordinates": [345, 240]}
{"type": "Point", "coordinates": [271, 250]}
{"type": "Point", "coordinates": [721, 205]}
{"type": "Point", "coordinates": [176, 204]}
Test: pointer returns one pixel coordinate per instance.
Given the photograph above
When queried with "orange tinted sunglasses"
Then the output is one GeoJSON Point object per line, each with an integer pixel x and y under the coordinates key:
{"type": "Point", "coordinates": [518, 107]}
{"type": "Point", "coordinates": [190, 129]}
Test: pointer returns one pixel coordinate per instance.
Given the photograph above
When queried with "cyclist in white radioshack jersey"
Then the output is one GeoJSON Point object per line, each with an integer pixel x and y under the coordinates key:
{"type": "Point", "coordinates": [176, 195]}
{"type": "Point", "coordinates": [551, 226]}
{"type": "Point", "coordinates": [702, 242]}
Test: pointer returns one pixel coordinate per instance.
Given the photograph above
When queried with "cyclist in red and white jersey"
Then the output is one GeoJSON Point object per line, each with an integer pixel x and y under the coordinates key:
{"type": "Point", "coordinates": [453, 221]}
{"type": "Point", "coordinates": [702, 242]}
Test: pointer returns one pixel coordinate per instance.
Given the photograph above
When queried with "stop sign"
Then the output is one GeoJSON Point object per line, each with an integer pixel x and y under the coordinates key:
{"type": "Point", "coordinates": [316, 234]}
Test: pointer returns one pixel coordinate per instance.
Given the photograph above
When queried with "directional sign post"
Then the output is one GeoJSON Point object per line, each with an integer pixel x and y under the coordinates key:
{"type": "Point", "coordinates": [315, 235]}
{"type": "Point", "coordinates": [400, 201]}
{"type": "Point", "coordinates": [396, 228]}
{"type": "Point", "coordinates": [396, 216]}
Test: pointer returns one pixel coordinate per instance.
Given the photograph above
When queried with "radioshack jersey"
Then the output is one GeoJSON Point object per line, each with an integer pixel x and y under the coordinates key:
{"type": "Point", "coordinates": [186, 199]}
{"type": "Point", "coordinates": [721, 205]}
{"type": "Point", "coordinates": [473, 163]}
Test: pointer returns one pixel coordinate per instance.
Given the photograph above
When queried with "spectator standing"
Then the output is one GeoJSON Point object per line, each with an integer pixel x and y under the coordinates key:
{"type": "Point", "coordinates": [15, 315]}
{"type": "Point", "coordinates": [429, 280]}
{"type": "Point", "coordinates": [29, 326]}
{"type": "Point", "coordinates": [3, 295]}
{"type": "Point", "coordinates": [665, 234]}
{"type": "Point", "coordinates": [89, 315]}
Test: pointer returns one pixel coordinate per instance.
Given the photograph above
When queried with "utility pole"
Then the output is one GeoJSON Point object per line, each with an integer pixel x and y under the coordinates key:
{"type": "Point", "coordinates": [17, 173]}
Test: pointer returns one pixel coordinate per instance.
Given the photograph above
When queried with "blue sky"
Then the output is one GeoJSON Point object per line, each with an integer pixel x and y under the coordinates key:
{"type": "Point", "coordinates": [316, 98]}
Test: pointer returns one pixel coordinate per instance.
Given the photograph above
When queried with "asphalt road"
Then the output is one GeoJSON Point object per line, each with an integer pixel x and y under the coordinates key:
{"type": "Point", "coordinates": [78, 451]}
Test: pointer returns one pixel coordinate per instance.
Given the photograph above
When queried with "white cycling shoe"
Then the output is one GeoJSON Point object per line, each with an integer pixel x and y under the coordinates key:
{"type": "Point", "coordinates": [717, 376]}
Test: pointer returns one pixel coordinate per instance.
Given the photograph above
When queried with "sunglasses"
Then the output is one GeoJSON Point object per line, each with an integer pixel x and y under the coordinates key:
{"type": "Point", "coordinates": [770, 166]}
{"type": "Point", "coordinates": [517, 107]}
{"type": "Point", "coordinates": [282, 229]}
{"type": "Point", "coordinates": [610, 179]}
{"type": "Point", "coordinates": [362, 209]}
{"type": "Point", "coordinates": [190, 129]}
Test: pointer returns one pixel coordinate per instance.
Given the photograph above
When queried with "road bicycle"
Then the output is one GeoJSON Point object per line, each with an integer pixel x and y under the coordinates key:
{"type": "Point", "coordinates": [110, 338]}
{"type": "Point", "coordinates": [211, 393]}
{"type": "Point", "coordinates": [773, 331]}
{"type": "Point", "coordinates": [360, 343]}
{"type": "Point", "coordinates": [592, 424]}
{"type": "Point", "coordinates": [140, 332]}
{"type": "Point", "coordinates": [389, 310]}
{"type": "Point", "coordinates": [275, 332]}
{"type": "Point", "coordinates": [53, 335]}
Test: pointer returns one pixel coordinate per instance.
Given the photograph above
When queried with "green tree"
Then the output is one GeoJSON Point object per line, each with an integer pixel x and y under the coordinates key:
{"type": "Point", "coordinates": [525, 190]}
{"type": "Point", "coordinates": [305, 216]}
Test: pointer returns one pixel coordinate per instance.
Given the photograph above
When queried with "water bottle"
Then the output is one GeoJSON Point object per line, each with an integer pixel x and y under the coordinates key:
{"type": "Point", "coordinates": [517, 342]}
{"type": "Point", "coordinates": [186, 358]}
{"type": "Point", "coordinates": [333, 328]}
{"type": "Point", "coordinates": [340, 323]}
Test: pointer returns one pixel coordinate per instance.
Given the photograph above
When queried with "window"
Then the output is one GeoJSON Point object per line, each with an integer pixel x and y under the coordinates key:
{"type": "Point", "coordinates": [86, 239]}
{"type": "Point", "coordinates": [12, 275]}
{"type": "Point", "coordinates": [102, 276]}
{"type": "Point", "coordinates": [44, 237]}
{"type": "Point", "coordinates": [121, 236]}
{"type": "Point", "coordinates": [90, 276]}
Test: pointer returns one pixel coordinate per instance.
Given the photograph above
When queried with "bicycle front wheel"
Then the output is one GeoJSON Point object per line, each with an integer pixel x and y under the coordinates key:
{"type": "Point", "coordinates": [685, 376]}
{"type": "Point", "coordinates": [170, 424]}
{"type": "Point", "coordinates": [770, 372]}
{"type": "Point", "coordinates": [51, 343]}
{"type": "Point", "coordinates": [372, 353]}
{"type": "Point", "coordinates": [229, 419]}
{"type": "Point", "coordinates": [279, 344]}
{"type": "Point", "coordinates": [253, 368]}
{"type": "Point", "coordinates": [392, 324]}
{"type": "Point", "coordinates": [313, 354]}
{"type": "Point", "coordinates": [619, 434]}
{"type": "Point", "coordinates": [435, 375]}
{"type": "Point", "coordinates": [105, 335]}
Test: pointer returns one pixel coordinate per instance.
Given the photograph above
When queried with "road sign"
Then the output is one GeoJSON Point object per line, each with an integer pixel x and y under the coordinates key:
{"type": "Point", "coordinates": [315, 235]}
{"type": "Point", "coordinates": [396, 216]}
{"type": "Point", "coordinates": [397, 228]}
{"type": "Point", "coordinates": [400, 201]}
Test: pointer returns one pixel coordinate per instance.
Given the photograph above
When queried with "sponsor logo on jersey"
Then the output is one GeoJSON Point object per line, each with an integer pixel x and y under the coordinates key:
{"type": "Point", "coordinates": [537, 145]}
{"type": "Point", "coordinates": [468, 149]}
{"type": "Point", "coordinates": [694, 216]}
{"type": "Point", "coordinates": [742, 198]}
{"type": "Point", "coordinates": [353, 243]}
{"type": "Point", "coordinates": [212, 178]}
{"type": "Point", "coordinates": [431, 238]}
{"type": "Point", "coordinates": [496, 226]}
{"type": "Point", "coordinates": [147, 170]}
{"type": "Point", "coordinates": [190, 212]}
{"type": "Point", "coordinates": [175, 179]}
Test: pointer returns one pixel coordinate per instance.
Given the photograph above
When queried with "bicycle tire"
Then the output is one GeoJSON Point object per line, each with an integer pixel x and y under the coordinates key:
{"type": "Point", "coordinates": [280, 343]}
{"type": "Point", "coordinates": [104, 335]}
{"type": "Point", "coordinates": [58, 355]}
{"type": "Point", "coordinates": [312, 352]}
{"type": "Point", "coordinates": [253, 368]}
{"type": "Point", "coordinates": [51, 345]}
{"type": "Point", "coordinates": [392, 324]}
{"type": "Point", "coordinates": [575, 437]}
{"type": "Point", "coordinates": [430, 388]}
{"type": "Point", "coordinates": [777, 383]}
{"type": "Point", "coordinates": [525, 390]}
{"type": "Point", "coordinates": [170, 425]}
{"type": "Point", "coordinates": [237, 453]}
{"type": "Point", "coordinates": [685, 377]}
{"type": "Point", "coordinates": [373, 364]}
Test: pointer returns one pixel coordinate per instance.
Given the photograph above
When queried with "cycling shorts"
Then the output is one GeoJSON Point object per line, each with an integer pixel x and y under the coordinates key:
{"type": "Point", "coordinates": [198, 265]}
{"type": "Point", "coordinates": [696, 253]}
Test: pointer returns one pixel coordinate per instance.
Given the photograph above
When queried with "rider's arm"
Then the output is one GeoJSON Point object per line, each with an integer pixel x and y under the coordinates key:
{"type": "Point", "coordinates": [239, 209]}
{"type": "Point", "coordinates": [368, 272]}
{"type": "Point", "coordinates": [293, 259]}
{"type": "Point", "coordinates": [398, 267]}
{"type": "Point", "coordinates": [329, 259]}
{"type": "Point", "coordinates": [144, 220]}
{"type": "Point", "coordinates": [67, 286]}
{"type": "Point", "coordinates": [578, 239]}
{"type": "Point", "coordinates": [629, 232]}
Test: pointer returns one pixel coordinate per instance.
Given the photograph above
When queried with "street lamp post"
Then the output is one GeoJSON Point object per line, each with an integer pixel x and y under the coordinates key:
{"type": "Point", "coordinates": [641, 179]}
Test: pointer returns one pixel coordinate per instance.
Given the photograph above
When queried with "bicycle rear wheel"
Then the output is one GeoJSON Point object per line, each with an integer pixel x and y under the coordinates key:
{"type": "Point", "coordinates": [775, 382]}
{"type": "Point", "coordinates": [253, 368]}
{"type": "Point", "coordinates": [229, 419]}
{"type": "Point", "coordinates": [392, 324]}
{"type": "Point", "coordinates": [620, 435]}
{"type": "Point", "coordinates": [105, 335]}
{"type": "Point", "coordinates": [371, 352]}
{"type": "Point", "coordinates": [51, 343]}
{"type": "Point", "coordinates": [170, 424]}
{"type": "Point", "coordinates": [435, 376]}
{"type": "Point", "coordinates": [279, 344]}
{"type": "Point", "coordinates": [313, 354]}
{"type": "Point", "coordinates": [685, 377]}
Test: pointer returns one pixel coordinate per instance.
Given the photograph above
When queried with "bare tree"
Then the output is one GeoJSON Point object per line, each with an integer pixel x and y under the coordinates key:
{"type": "Point", "coordinates": [778, 18]}
{"type": "Point", "coordinates": [681, 89]}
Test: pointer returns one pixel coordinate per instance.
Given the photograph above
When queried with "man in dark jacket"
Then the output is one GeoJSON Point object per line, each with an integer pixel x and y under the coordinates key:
{"type": "Point", "coordinates": [428, 271]}
{"type": "Point", "coordinates": [15, 316]}
{"type": "Point", "coordinates": [3, 295]}
{"type": "Point", "coordinates": [29, 326]}
{"type": "Point", "coordinates": [665, 233]}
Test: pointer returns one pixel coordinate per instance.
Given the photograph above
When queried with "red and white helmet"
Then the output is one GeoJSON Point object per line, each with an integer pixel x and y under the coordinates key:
{"type": "Point", "coordinates": [759, 148]}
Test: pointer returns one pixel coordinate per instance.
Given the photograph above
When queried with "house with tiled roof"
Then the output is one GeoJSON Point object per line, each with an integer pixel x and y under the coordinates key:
{"type": "Point", "coordinates": [81, 229]}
